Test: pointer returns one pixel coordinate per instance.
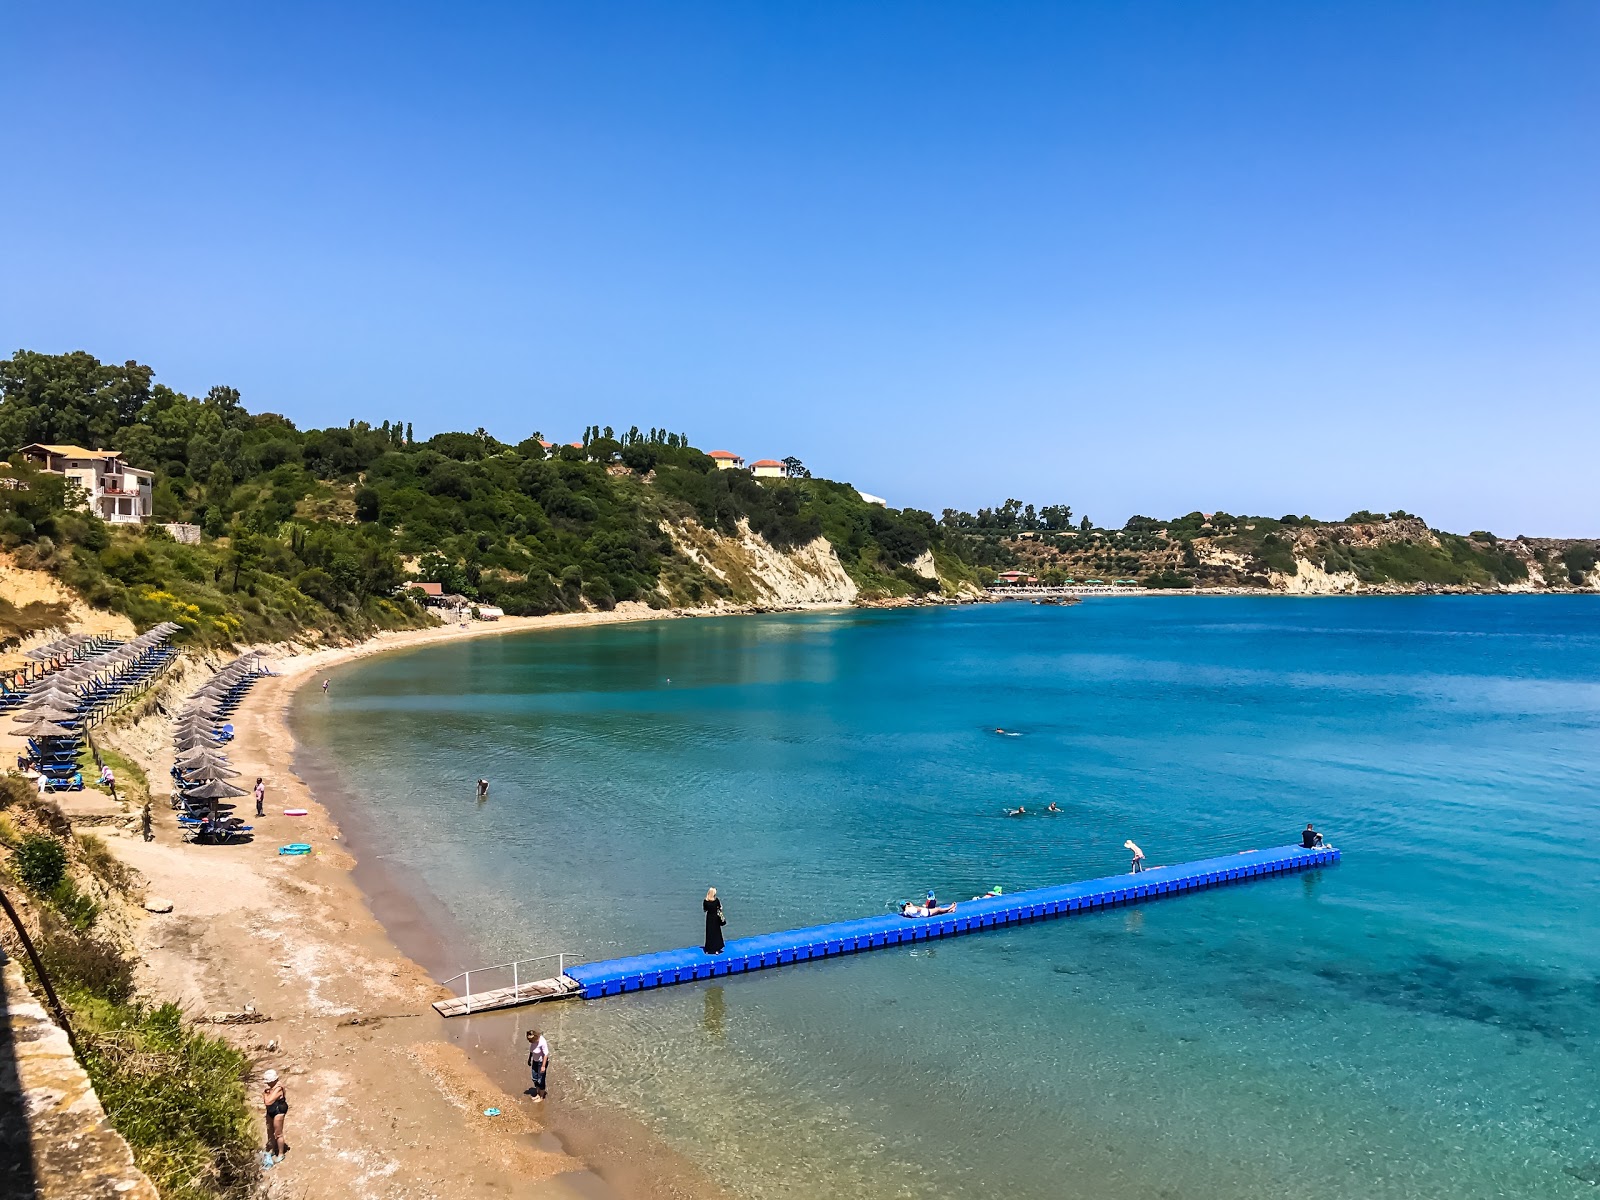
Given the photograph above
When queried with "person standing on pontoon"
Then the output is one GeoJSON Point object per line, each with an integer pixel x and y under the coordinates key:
{"type": "Point", "coordinates": [1138, 857]}
{"type": "Point", "coordinates": [715, 920]}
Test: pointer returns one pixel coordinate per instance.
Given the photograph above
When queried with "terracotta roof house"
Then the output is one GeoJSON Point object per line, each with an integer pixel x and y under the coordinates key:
{"type": "Point", "coordinates": [769, 468]}
{"type": "Point", "coordinates": [726, 460]}
{"type": "Point", "coordinates": [112, 490]}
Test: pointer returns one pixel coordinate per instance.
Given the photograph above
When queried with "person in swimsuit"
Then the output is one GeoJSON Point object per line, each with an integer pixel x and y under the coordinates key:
{"type": "Point", "coordinates": [1019, 811]}
{"type": "Point", "coordinates": [1054, 807]}
{"type": "Point", "coordinates": [1138, 857]}
{"type": "Point", "coordinates": [925, 910]}
{"type": "Point", "coordinates": [276, 1101]}
{"type": "Point", "coordinates": [261, 797]}
{"type": "Point", "coordinates": [483, 789]}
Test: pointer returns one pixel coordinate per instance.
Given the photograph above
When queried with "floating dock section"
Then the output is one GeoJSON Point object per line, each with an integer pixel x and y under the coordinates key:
{"type": "Point", "coordinates": [618, 975]}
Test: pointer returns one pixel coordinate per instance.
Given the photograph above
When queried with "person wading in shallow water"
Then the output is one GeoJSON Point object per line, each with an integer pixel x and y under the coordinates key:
{"type": "Point", "coordinates": [714, 922]}
{"type": "Point", "coordinates": [538, 1064]}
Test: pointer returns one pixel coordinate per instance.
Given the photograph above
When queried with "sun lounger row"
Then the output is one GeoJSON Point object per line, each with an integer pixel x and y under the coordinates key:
{"type": "Point", "coordinates": [57, 709]}
{"type": "Point", "coordinates": [200, 769]}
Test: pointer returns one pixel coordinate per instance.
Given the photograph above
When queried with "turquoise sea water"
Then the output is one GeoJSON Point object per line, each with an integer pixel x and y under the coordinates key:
{"type": "Point", "coordinates": [1420, 1021]}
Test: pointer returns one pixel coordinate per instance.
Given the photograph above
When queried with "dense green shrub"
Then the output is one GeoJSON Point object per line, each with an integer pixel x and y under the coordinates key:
{"type": "Point", "coordinates": [178, 1097]}
{"type": "Point", "coordinates": [40, 863]}
{"type": "Point", "coordinates": [76, 909]}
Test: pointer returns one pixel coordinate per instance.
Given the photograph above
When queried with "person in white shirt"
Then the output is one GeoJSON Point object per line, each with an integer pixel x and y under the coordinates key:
{"type": "Point", "coordinates": [538, 1063]}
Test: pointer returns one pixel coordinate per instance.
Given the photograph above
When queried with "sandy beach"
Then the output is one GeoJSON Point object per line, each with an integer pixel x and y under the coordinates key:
{"type": "Point", "coordinates": [386, 1100]}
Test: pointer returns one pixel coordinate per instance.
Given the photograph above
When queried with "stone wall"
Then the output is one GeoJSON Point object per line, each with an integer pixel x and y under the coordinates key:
{"type": "Point", "coordinates": [55, 1140]}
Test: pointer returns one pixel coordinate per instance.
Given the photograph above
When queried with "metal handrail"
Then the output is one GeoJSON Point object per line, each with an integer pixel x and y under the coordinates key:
{"type": "Point", "coordinates": [516, 982]}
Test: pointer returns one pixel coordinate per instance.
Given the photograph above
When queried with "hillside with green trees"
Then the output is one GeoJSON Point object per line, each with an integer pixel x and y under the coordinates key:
{"type": "Point", "coordinates": [320, 529]}
{"type": "Point", "coordinates": [1366, 551]}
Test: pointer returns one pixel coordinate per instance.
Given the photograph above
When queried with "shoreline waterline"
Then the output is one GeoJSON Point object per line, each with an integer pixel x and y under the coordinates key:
{"type": "Point", "coordinates": [622, 1159]}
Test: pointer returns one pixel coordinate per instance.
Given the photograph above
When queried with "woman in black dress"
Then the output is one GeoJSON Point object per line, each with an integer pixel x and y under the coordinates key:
{"type": "Point", "coordinates": [714, 922]}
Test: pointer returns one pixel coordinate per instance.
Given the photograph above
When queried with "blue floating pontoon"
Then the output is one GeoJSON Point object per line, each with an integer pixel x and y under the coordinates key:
{"type": "Point", "coordinates": [666, 967]}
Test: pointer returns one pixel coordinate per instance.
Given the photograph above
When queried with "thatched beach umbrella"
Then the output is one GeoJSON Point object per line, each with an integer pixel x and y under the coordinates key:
{"type": "Point", "coordinates": [46, 712]}
{"type": "Point", "coordinates": [203, 771]}
{"type": "Point", "coordinates": [185, 742]}
{"type": "Point", "coordinates": [200, 772]}
{"type": "Point", "coordinates": [200, 757]}
{"type": "Point", "coordinates": [214, 789]}
{"type": "Point", "coordinates": [38, 728]}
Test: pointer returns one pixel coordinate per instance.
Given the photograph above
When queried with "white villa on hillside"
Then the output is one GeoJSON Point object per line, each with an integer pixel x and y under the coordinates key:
{"type": "Point", "coordinates": [112, 490]}
{"type": "Point", "coordinates": [769, 468]}
{"type": "Point", "coordinates": [726, 460]}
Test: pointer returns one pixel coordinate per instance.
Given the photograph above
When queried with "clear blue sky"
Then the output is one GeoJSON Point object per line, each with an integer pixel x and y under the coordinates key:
{"type": "Point", "coordinates": [1138, 257]}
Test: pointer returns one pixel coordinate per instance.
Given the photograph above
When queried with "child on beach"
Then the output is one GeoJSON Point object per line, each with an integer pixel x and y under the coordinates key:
{"type": "Point", "coordinates": [538, 1063]}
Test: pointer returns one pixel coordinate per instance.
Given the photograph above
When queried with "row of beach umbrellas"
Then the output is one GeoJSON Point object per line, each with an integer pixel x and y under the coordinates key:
{"type": "Point", "coordinates": [197, 736]}
{"type": "Point", "coordinates": [62, 696]}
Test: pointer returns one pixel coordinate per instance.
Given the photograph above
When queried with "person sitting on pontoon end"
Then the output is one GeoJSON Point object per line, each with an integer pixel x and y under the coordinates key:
{"type": "Point", "coordinates": [1310, 839]}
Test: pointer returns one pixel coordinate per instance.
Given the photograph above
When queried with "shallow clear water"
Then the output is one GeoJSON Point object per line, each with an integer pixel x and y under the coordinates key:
{"type": "Point", "coordinates": [1420, 1021]}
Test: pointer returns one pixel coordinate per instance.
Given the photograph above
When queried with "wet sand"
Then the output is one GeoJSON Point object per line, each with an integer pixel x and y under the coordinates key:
{"type": "Point", "coordinates": [387, 1099]}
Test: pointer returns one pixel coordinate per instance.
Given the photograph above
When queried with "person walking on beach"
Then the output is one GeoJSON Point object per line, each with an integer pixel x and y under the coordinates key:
{"type": "Point", "coordinates": [714, 922]}
{"type": "Point", "coordinates": [538, 1064]}
{"type": "Point", "coordinates": [1138, 857]}
{"type": "Point", "coordinates": [276, 1102]}
{"type": "Point", "coordinates": [144, 822]}
{"type": "Point", "coordinates": [261, 797]}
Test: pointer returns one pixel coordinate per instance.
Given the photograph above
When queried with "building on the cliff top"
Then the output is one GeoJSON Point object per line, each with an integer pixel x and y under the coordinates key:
{"type": "Point", "coordinates": [769, 468]}
{"type": "Point", "coordinates": [726, 460]}
{"type": "Point", "coordinates": [112, 490]}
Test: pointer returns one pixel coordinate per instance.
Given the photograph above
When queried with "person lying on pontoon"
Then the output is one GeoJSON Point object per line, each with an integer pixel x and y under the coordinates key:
{"type": "Point", "coordinates": [925, 910]}
{"type": "Point", "coordinates": [1310, 839]}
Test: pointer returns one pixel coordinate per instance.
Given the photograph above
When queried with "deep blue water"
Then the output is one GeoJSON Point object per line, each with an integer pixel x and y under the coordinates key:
{"type": "Point", "coordinates": [1420, 1021]}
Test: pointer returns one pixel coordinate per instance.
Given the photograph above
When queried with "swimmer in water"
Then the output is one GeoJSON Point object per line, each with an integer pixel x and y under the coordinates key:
{"type": "Point", "coordinates": [1054, 807]}
{"type": "Point", "coordinates": [1019, 811]}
